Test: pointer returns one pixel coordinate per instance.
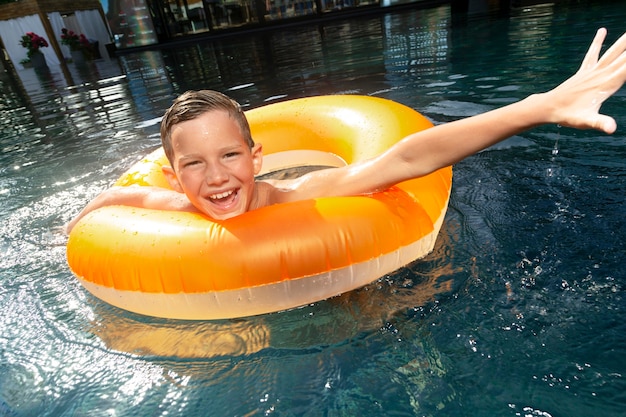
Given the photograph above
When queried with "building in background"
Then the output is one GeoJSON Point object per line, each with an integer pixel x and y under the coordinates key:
{"type": "Point", "coordinates": [131, 22]}
{"type": "Point", "coordinates": [144, 22]}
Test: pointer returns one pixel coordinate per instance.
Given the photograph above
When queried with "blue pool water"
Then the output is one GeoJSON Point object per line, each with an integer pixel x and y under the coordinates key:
{"type": "Point", "coordinates": [519, 311]}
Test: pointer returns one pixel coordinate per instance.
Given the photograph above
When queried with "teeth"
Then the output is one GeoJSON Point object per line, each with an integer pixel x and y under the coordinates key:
{"type": "Point", "coordinates": [220, 195]}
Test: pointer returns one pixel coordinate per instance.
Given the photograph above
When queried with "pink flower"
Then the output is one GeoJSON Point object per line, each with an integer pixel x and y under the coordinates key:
{"type": "Point", "coordinates": [33, 42]}
{"type": "Point", "coordinates": [74, 41]}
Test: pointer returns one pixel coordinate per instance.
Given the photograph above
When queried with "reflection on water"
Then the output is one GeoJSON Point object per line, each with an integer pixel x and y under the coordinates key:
{"type": "Point", "coordinates": [339, 319]}
{"type": "Point", "coordinates": [518, 311]}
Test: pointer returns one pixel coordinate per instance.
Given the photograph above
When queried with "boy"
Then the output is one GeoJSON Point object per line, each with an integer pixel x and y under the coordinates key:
{"type": "Point", "coordinates": [213, 159]}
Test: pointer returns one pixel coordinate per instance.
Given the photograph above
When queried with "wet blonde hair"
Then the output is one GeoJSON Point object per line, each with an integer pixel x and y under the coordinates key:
{"type": "Point", "coordinates": [193, 104]}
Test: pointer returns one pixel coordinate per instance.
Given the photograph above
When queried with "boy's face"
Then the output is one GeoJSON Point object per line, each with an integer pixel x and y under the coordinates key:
{"type": "Point", "coordinates": [213, 165]}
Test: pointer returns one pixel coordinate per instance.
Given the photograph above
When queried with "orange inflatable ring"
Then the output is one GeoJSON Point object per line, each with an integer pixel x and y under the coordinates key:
{"type": "Point", "coordinates": [187, 266]}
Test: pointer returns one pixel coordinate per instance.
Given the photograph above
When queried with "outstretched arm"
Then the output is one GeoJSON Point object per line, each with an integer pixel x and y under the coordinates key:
{"type": "Point", "coordinates": [574, 103]}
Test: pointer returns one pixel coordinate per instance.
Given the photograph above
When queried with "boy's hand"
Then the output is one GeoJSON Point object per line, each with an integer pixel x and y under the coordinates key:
{"type": "Point", "coordinates": [577, 101]}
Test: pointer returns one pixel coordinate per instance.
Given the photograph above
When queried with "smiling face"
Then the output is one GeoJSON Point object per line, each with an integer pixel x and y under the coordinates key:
{"type": "Point", "coordinates": [213, 165]}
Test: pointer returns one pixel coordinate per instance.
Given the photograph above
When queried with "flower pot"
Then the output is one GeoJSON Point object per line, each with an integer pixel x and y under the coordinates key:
{"type": "Point", "coordinates": [78, 57]}
{"type": "Point", "coordinates": [38, 60]}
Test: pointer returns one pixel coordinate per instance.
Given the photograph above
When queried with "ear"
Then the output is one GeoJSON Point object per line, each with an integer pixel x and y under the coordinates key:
{"type": "Point", "coordinates": [257, 157]}
{"type": "Point", "coordinates": [171, 177]}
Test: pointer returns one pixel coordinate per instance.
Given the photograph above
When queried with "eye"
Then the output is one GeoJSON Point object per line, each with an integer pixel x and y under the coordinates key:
{"type": "Point", "coordinates": [231, 154]}
{"type": "Point", "coordinates": [190, 163]}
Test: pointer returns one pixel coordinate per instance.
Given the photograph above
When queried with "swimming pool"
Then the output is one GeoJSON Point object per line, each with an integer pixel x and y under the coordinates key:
{"type": "Point", "coordinates": [519, 310]}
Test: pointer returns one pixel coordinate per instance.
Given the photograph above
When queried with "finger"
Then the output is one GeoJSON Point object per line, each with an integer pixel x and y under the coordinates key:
{"type": "Point", "coordinates": [615, 51]}
{"type": "Point", "coordinates": [605, 124]}
{"type": "Point", "coordinates": [593, 53]}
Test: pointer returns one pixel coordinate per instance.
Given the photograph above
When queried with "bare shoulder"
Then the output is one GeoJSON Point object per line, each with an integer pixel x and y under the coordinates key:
{"type": "Point", "coordinates": [326, 182]}
{"type": "Point", "coordinates": [272, 191]}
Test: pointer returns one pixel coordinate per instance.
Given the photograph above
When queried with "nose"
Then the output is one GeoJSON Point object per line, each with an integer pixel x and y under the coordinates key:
{"type": "Point", "coordinates": [216, 174]}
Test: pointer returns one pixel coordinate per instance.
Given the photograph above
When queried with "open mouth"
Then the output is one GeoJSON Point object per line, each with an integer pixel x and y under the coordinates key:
{"type": "Point", "coordinates": [224, 199]}
{"type": "Point", "coordinates": [221, 196]}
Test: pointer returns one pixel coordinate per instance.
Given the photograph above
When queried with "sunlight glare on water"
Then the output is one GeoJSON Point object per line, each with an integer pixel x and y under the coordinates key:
{"type": "Point", "coordinates": [519, 311]}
